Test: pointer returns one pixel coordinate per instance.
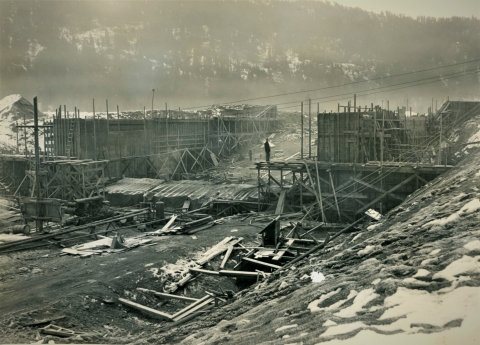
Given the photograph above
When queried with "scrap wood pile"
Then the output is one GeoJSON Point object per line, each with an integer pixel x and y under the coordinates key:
{"type": "Point", "coordinates": [105, 244]}
{"type": "Point", "coordinates": [253, 263]}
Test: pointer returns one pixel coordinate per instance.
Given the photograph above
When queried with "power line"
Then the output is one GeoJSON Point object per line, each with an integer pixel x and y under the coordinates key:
{"type": "Point", "coordinates": [340, 85]}
{"type": "Point", "coordinates": [372, 93]}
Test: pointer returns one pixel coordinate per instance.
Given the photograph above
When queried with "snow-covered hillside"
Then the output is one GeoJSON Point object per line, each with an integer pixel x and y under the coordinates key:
{"type": "Point", "coordinates": [14, 109]}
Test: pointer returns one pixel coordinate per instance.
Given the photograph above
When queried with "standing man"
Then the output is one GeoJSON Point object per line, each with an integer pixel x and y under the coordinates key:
{"type": "Point", "coordinates": [250, 154]}
{"type": "Point", "coordinates": [267, 150]}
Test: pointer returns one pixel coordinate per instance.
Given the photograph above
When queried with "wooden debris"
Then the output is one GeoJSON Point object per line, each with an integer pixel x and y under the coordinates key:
{"type": "Point", "coordinates": [226, 257]}
{"type": "Point", "coordinates": [199, 270]}
{"type": "Point", "coordinates": [218, 249]}
{"type": "Point", "coordinates": [246, 274]}
{"type": "Point", "coordinates": [166, 226]}
{"type": "Point", "coordinates": [43, 321]}
{"type": "Point", "coordinates": [169, 296]}
{"type": "Point", "coordinates": [193, 308]}
{"type": "Point", "coordinates": [261, 263]}
{"type": "Point", "coordinates": [149, 311]}
{"type": "Point", "coordinates": [60, 331]}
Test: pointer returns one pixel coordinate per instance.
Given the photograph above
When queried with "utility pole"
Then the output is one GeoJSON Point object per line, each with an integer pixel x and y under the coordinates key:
{"type": "Point", "coordinates": [440, 143]}
{"type": "Point", "coordinates": [309, 128]}
{"type": "Point", "coordinates": [39, 222]}
{"type": "Point", "coordinates": [301, 131]}
{"type": "Point", "coordinates": [153, 96]}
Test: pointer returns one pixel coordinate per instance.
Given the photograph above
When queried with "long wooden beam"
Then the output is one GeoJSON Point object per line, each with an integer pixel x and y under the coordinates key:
{"type": "Point", "coordinates": [386, 193]}
{"type": "Point", "coordinates": [376, 188]}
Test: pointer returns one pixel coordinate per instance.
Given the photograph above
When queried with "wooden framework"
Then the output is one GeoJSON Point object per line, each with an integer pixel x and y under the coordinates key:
{"type": "Point", "coordinates": [341, 191]}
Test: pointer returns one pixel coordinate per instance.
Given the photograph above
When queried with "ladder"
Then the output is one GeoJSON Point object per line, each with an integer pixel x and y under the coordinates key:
{"type": "Point", "coordinates": [70, 138]}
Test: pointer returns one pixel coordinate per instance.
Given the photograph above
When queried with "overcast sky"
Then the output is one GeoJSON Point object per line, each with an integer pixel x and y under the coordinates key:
{"type": "Point", "coordinates": [414, 8]}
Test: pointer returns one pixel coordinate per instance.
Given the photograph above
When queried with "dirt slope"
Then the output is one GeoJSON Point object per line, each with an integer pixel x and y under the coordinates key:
{"type": "Point", "coordinates": [413, 278]}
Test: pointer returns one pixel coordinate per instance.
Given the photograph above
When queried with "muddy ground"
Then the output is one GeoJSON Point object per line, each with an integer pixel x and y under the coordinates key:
{"type": "Point", "coordinates": [41, 284]}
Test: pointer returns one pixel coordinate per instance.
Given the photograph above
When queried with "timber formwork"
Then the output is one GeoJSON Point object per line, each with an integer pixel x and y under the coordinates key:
{"type": "Point", "coordinates": [113, 137]}
{"type": "Point", "coordinates": [371, 134]}
{"type": "Point", "coordinates": [339, 192]}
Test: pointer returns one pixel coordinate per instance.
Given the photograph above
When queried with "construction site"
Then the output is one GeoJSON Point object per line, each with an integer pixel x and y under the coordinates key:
{"type": "Point", "coordinates": [170, 226]}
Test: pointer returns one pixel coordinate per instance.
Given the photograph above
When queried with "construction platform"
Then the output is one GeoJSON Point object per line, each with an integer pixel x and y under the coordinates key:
{"type": "Point", "coordinates": [337, 192]}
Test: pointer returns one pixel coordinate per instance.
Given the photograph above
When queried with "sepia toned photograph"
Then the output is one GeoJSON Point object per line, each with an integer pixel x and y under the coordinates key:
{"type": "Point", "coordinates": [245, 172]}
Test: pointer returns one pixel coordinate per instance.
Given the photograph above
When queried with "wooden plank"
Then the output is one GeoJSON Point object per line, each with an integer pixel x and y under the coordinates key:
{"type": "Point", "coordinates": [335, 195]}
{"type": "Point", "coordinates": [281, 203]}
{"type": "Point", "coordinates": [242, 273]}
{"type": "Point", "coordinates": [214, 159]}
{"type": "Point", "coordinates": [166, 226]}
{"type": "Point", "coordinates": [199, 270]}
{"type": "Point", "coordinates": [324, 219]}
{"type": "Point", "coordinates": [366, 207]}
{"type": "Point", "coordinates": [149, 311]}
{"type": "Point", "coordinates": [282, 252]}
{"type": "Point", "coordinates": [194, 309]}
{"type": "Point", "coordinates": [375, 188]}
{"type": "Point", "coordinates": [190, 306]}
{"type": "Point", "coordinates": [169, 296]}
{"type": "Point", "coordinates": [218, 251]}
{"type": "Point", "coordinates": [226, 257]}
{"type": "Point", "coordinates": [261, 263]}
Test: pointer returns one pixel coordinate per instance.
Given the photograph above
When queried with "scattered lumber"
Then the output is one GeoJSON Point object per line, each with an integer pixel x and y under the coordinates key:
{"type": "Point", "coordinates": [218, 249]}
{"type": "Point", "coordinates": [322, 245]}
{"type": "Point", "coordinates": [147, 310]}
{"type": "Point", "coordinates": [261, 263]}
{"type": "Point", "coordinates": [61, 331]}
{"type": "Point", "coordinates": [43, 321]}
{"type": "Point", "coordinates": [199, 270]}
{"type": "Point", "coordinates": [193, 308]}
{"type": "Point", "coordinates": [169, 296]}
{"type": "Point", "coordinates": [246, 274]}
{"type": "Point", "coordinates": [226, 257]}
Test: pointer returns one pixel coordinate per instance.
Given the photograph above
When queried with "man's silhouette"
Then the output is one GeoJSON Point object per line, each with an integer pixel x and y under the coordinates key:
{"type": "Point", "coordinates": [267, 150]}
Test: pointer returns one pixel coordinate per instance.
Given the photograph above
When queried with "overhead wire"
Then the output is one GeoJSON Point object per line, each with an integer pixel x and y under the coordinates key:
{"type": "Point", "coordinates": [340, 85]}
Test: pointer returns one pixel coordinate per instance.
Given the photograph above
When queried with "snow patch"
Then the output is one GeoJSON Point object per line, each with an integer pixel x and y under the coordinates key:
{"type": "Point", "coordinates": [313, 306]}
{"type": "Point", "coordinates": [329, 323]}
{"type": "Point", "coordinates": [338, 304]}
{"type": "Point", "coordinates": [469, 207]}
{"type": "Point", "coordinates": [463, 265]}
{"type": "Point", "coordinates": [421, 273]}
{"type": "Point", "coordinates": [360, 301]}
{"type": "Point", "coordinates": [471, 246]}
{"type": "Point", "coordinates": [286, 327]}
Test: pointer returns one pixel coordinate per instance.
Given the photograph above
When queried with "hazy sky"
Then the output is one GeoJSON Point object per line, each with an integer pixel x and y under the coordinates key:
{"type": "Point", "coordinates": [414, 8]}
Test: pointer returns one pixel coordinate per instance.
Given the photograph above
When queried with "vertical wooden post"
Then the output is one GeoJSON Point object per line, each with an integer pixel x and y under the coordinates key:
{"type": "Point", "coordinates": [324, 219]}
{"type": "Point", "coordinates": [318, 130]}
{"type": "Point", "coordinates": [86, 139]}
{"type": "Point", "coordinates": [166, 126]}
{"type": "Point", "coordinates": [16, 126]}
{"type": "Point", "coordinates": [301, 131]}
{"type": "Point", "coordinates": [119, 148]}
{"type": "Point", "coordinates": [25, 133]}
{"type": "Point", "coordinates": [259, 189]}
{"type": "Point", "coordinates": [108, 129]}
{"type": "Point", "coordinates": [94, 133]}
{"type": "Point", "coordinates": [145, 132]}
{"type": "Point", "coordinates": [382, 137]}
{"type": "Point", "coordinates": [357, 146]}
{"type": "Point", "coordinates": [374, 134]}
{"type": "Point", "coordinates": [39, 223]}
{"type": "Point", "coordinates": [440, 142]}
{"type": "Point", "coordinates": [337, 135]}
{"type": "Point", "coordinates": [309, 128]}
